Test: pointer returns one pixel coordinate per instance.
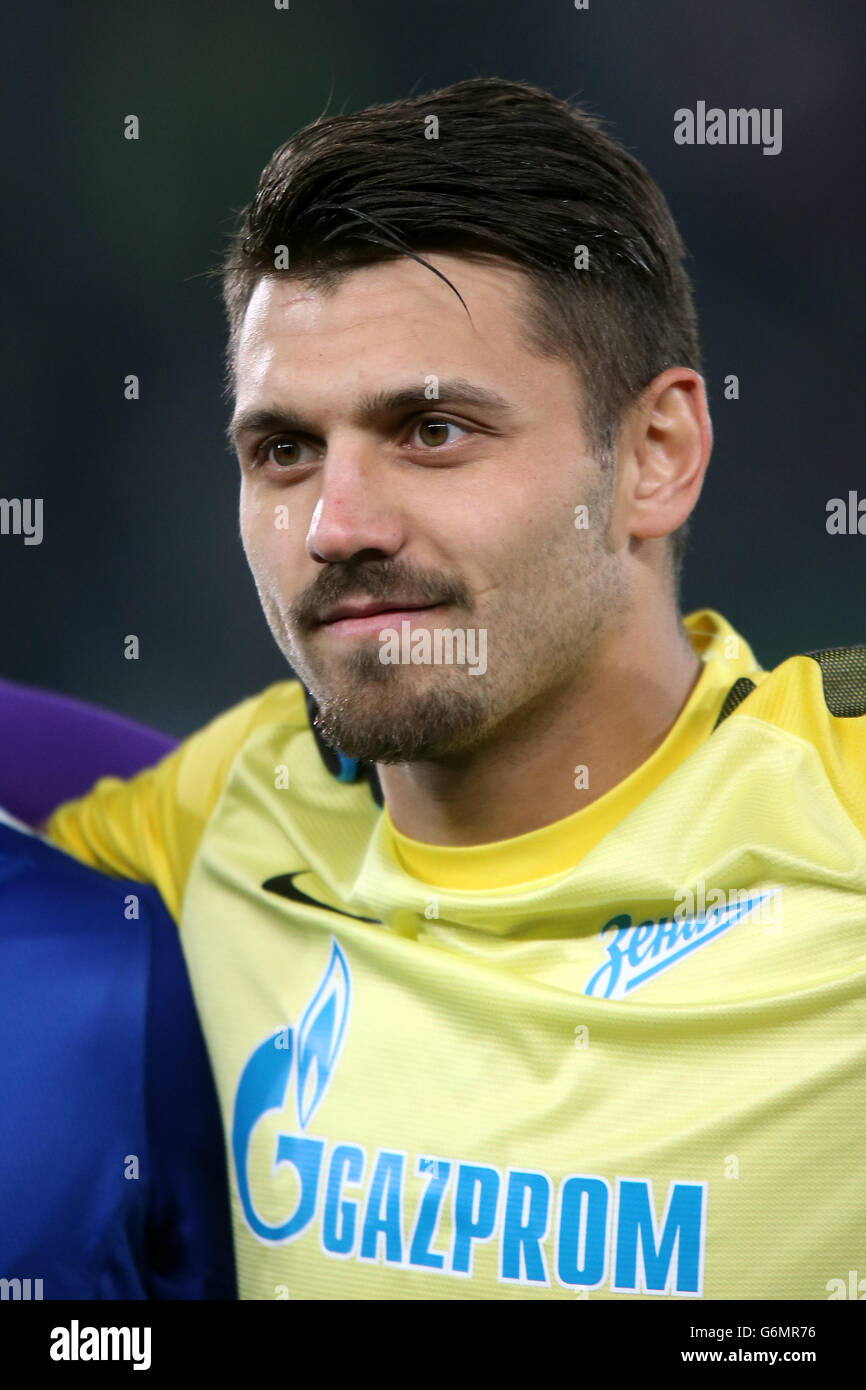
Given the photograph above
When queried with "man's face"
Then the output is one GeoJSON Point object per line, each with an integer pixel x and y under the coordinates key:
{"type": "Point", "coordinates": [453, 504]}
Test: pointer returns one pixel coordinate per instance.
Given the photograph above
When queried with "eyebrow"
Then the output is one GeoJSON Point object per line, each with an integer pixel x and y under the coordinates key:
{"type": "Point", "coordinates": [370, 407]}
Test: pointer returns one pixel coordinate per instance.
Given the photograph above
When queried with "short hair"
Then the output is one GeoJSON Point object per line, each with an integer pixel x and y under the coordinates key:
{"type": "Point", "coordinates": [513, 172]}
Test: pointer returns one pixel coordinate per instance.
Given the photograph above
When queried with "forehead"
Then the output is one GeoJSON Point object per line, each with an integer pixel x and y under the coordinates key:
{"type": "Point", "coordinates": [397, 316]}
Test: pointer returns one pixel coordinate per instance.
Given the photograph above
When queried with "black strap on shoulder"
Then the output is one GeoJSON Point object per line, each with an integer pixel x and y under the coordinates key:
{"type": "Point", "coordinates": [735, 696]}
{"type": "Point", "coordinates": [843, 676]}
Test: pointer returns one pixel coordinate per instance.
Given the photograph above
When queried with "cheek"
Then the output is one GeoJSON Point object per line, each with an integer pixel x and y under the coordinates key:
{"type": "Point", "coordinates": [258, 519]}
{"type": "Point", "coordinates": [246, 518]}
{"type": "Point", "coordinates": [258, 536]}
{"type": "Point", "coordinates": [274, 549]}
{"type": "Point", "coordinates": [515, 532]}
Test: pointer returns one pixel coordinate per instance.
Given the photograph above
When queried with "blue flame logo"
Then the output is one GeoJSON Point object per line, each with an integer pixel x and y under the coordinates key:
{"type": "Point", "coordinates": [320, 1035]}
{"type": "Point", "coordinates": [264, 1084]}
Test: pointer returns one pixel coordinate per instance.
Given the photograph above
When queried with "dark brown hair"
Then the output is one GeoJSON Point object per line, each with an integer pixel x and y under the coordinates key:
{"type": "Point", "coordinates": [514, 172]}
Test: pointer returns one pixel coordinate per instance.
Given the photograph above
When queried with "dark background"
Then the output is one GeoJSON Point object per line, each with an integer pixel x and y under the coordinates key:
{"type": "Point", "coordinates": [106, 245]}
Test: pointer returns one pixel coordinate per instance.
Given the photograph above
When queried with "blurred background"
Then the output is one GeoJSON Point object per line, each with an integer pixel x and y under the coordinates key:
{"type": "Point", "coordinates": [107, 244]}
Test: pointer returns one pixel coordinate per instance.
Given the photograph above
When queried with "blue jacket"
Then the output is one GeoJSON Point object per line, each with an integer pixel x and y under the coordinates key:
{"type": "Point", "coordinates": [112, 1162]}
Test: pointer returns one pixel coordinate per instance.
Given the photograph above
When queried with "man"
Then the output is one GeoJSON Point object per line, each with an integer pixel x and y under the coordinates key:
{"type": "Point", "coordinates": [527, 926]}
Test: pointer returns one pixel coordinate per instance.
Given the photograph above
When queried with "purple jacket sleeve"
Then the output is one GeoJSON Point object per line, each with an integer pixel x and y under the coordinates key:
{"type": "Point", "coordinates": [53, 748]}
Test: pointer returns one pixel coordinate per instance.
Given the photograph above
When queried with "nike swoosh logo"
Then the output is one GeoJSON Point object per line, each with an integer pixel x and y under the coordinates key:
{"type": "Point", "coordinates": [284, 885]}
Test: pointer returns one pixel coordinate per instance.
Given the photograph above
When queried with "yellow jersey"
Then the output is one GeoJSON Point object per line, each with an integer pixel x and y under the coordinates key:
{"type": "Point", "coordinates": [622, 1056]}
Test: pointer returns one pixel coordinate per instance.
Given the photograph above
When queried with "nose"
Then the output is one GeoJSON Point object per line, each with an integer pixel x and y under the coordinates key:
{"type": "Point", "coordinates": [355, 512]}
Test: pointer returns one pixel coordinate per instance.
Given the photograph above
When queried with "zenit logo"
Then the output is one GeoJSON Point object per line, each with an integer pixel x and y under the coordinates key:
{"type": "Point", "coordinates": [636, 954]}
{"type": "Point", "coordinates": [433, 1215]}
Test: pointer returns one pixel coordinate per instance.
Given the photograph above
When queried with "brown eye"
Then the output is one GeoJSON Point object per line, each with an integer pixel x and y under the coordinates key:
{"type": "Point", "coordinates": [284, 452]}
{"type": "Point", "coordinates": [434, 433]}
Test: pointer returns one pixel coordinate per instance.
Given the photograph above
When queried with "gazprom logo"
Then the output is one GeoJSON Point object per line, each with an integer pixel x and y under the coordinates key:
{"type": "Point", "coordinates": [435, 1214]}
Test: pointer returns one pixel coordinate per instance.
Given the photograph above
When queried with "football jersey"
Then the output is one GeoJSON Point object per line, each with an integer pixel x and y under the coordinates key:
{"type": "Point", "coordinates": [621, 1056]}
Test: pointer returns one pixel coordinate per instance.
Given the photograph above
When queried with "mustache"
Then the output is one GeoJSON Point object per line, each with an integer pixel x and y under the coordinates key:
{"type": "Point", "coordinates": [381, 579]}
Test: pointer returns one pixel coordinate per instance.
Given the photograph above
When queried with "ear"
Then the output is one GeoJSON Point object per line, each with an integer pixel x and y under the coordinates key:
{"type": "Point", "coordinates": [664, 448]}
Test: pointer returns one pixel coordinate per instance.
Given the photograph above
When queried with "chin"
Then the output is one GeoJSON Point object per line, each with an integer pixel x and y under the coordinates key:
{"type": "Point", "coordinates": [390, 725]}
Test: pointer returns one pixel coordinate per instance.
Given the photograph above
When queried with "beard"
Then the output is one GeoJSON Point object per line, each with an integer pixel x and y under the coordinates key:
{"type": "Point", "coordinates": [389, 721]}
{"type": "Point", "coordinates": [383, 713]}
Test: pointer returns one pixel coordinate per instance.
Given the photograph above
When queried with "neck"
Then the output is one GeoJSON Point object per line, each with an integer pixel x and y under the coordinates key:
{"type": "Point", "coordinates": [608, 720]}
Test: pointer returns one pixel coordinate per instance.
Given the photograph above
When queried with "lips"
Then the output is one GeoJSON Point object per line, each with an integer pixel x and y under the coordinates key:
{"type": "Point", "coordinates": [368, 607]}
